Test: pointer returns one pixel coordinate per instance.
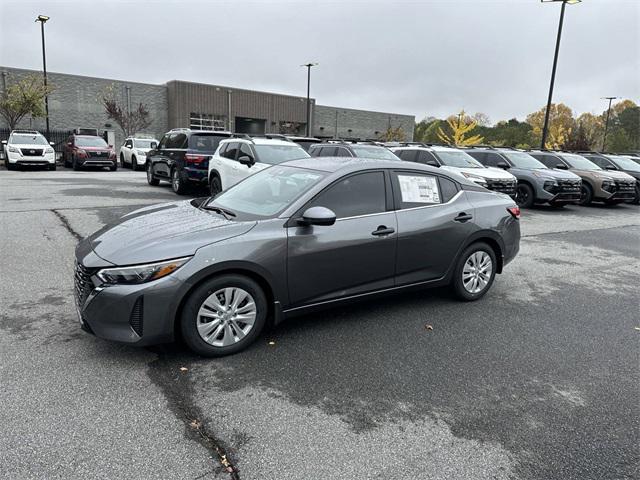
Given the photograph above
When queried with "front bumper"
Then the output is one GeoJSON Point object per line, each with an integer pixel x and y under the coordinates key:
{"type": "Point", "coordinates": [620, 192]}
{"type": "Point", "coordinates": [135, 314]}
{"type": "Point", "coordinates": [562, 192]}
{"type": "Point", "coordinates": [95, 162]}
{"type": "Point", "coordinates": [17, 159]}
{"type": "Point", "coordinates": [507, 187]}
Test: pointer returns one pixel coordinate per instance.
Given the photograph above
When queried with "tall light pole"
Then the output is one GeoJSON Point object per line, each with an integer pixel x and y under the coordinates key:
{"type": "Point", "coordinates": [43, 19]}
{"type": "Point", "coordinates": [545, 128]}
{"type": "Point", "coordinates": [308, 65]}
{"type": "Point", "coordinates": [606, 123]}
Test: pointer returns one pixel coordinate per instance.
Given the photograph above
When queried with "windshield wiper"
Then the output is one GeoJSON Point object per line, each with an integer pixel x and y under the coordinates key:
{"type": "Point", "coordinates": [222, 211]}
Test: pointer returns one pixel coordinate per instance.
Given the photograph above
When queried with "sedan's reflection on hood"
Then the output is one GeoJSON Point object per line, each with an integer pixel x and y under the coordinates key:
{"type": "Point", "coordinates": [163, 231]}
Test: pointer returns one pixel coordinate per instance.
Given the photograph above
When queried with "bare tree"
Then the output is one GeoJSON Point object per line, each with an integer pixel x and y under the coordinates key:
{"type": "Point", "coordinates": [130, 122]}
{"type": "Point", "coordinates": [22, 98]}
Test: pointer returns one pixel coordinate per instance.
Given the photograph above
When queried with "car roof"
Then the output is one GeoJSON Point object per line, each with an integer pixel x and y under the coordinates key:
{"type": "Point", "coordinates": [347, 164]}
{"type": "Point", "coordinates": [261, 141]}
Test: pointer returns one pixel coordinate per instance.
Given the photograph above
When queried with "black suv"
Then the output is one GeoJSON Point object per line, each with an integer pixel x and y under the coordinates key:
{"type": "Point", "coordinates": [344, 149]}
{"type": "Point", "coordinates": [182, 158]}
{"type": "Point", "coordinates": [621, 163]}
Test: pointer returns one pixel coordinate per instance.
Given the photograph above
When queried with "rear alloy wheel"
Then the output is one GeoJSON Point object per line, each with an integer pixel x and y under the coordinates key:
{"type": "Point", "coordinates": [134, 163]}
{"type": "Point", "coordinates": [177, 182]}
{"type": "Point", "coordinates": [215, 187]}
{"type": "Point", "coordinates": [224, 315]}
{"type": "Point", "coordinates": [586, 194]}
{"type": "Point", "coordinates": [475, 272]}
{"type": "Point", "coordinates": [151, 180]}
{"type": "Point", "coordinates": [524, 195]}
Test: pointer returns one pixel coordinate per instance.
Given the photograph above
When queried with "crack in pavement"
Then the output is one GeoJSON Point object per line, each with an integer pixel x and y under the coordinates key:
{"type": "Point", "coordinates": [67, 225]}
{"type": "Point", "coordinates": [176, 385]}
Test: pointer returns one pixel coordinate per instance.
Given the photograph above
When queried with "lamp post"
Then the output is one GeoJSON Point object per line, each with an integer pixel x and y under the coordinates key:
{"type": "Point", "coordinates": [43, 19]}
{"type": "Point", "coordinates": [308, 65]}
{"type": "Point", "coordinates": [606, 123]}
{"type": "Point", "coordinates": [545, 128]}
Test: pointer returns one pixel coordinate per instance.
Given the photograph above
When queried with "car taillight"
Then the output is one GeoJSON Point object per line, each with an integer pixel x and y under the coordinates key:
{"type": "Point", "coordinates": [515, 211]}
{"type": "Point", "coordinates": [191, 159]}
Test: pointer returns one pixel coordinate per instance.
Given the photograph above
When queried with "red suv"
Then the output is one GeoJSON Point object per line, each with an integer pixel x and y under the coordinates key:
{"type": "Point", "coordinates": [88, 151]}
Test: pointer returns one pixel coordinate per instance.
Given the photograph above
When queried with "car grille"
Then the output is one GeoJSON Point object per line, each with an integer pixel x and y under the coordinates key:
{"type": "Point", "coordinates": [32, 152]}
{"type": "Point", "coordinates": [502, 186]}
{"type": "Point", "coordinates": [624, 189]}
{"type": "Point", "coordinates": [569, 186]}
{"type": "Point", "coordinates": [93, 154]}
{"type": "Point", "coordinates": [83, 284]}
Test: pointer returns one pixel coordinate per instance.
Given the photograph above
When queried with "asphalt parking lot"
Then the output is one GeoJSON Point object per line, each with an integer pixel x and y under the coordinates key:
{"type": "Point", "coordinates": [539, 380]}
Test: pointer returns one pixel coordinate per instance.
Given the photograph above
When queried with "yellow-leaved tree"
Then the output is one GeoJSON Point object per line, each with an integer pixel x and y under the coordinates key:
{"type": "Point", "coordinates": [458, 127]}
{"type": "Point", "coordinates": [561, 123]}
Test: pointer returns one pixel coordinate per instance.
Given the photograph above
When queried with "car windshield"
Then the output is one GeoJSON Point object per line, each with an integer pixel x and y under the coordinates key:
{"type": "Point", "coordinates": [579, 162]}
{"type": "Point", "coordinates": [624, 163]}
{"type": "Point", "coordinates": [203, 142]}
{"type": "Point", "coordinates": [274, 154]}
{"type": "Point", "coordinates": [523, 160]}
{"type": "Point", "coordinates": [268, 192]}
{"type": "Point", "coordinates": [371, 151]}
{"type": "Point", "coordinates": [90, 142]}
{"type": "Point", "coordinates": [457, 159]}
{"type": "Point", "coordinates": [144, 143]}
{"type": "Point", "coordinates": [28, 140]}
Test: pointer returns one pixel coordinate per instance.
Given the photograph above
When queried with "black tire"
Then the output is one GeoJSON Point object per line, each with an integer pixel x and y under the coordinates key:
{"type": "Point", "coordinates": [114, 167]}
{"type": "Point", "coordinates": [457, 282]}
{"type": "Point", "coordinates": [122, 164]}
{"type": "Point", "coordinates": [65, 161]}
{"type": "Point", "coordinates": [188, 318]}
{"type": "Point", "coordinates": [75, 165]}
{"type": "Point", "coordinates": [134, 163]}
{"type": "Point", "coordinates": [525, 195]}
{"type": "Point", "coordinates": [586, 194]}
{"type": "Point", "coordinates": [636, 199]}
{"type": "Point", "coordinates": [151, 180]}
{"type": "Point", "coordinates": [215, 185]}
{"type": "Point", "coordinates": [178, 182]}
{"type": "Point", "coordinates": [9, 165]}
{"type": "Point", "coordinates": [51, 167]}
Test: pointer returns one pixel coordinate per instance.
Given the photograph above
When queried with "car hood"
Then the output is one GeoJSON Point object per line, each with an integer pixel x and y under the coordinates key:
{"type": "Point", "coordinates": [556, 173]}
{"type": "Point", "coordinates": [492, 173]}
{"type": "Point", "coordinates": [162, 232]}
{"type": "Point", "coordinates": [32, 146]}
{"type": "Point", "coordinates": [604, 174]}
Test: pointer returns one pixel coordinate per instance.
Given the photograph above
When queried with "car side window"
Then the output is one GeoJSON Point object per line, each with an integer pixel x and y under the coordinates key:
{"type": "Point", "coordinates": [355, 195]}
{"type": "Point", "coordinates": [163, 142]}
{"type": "Point", "coordinates": [416, 189]}
{"type": "Point", "coordinates": [177, 140]}
{"type": "Point", "coordinates": [246, 150]}
{"type": "Point", "coordinates": [492, 159]}
{"type": "Point", "coordinates": [601, 162]}
{"type": "Point", "coordinates": [223, 148]}
{"type": "Point", "coordinates": [314, 151]}
{"type": "Point", "coordinates": [342, 152]}
{"type": "Point", "coordinates": [424, 157]}
{"type": "Point", "coordinates": [328, 152]}
{"type": "Point", "coordinates": [546, 160]}
{"type": "Point", "coordinates": [479, 156]}
{"type": "Point", "coordinates": [231, 151]}
{"type": "Point", "coordinates": [448, 189]}
{"type": "Point", "coordinates": [408, 155]}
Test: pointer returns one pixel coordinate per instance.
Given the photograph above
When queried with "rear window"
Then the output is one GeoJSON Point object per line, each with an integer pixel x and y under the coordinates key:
{"type": "Point", "coordinates": [274, 154]}
{"type": "Point", "coordinates": [205, 143]}
{"type": "Point", "coordinates": [374, 152]}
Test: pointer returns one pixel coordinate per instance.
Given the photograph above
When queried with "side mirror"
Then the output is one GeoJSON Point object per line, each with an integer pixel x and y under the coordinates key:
{"type": "Point", "coordinates": [610, 167]}
{"type": "Point", "coordinates": [562, 166]}
{"type": "Point", "coordinates": [4, 142]}
{"type": "Point", "coordinates": [246, 160]}
{"type": "Point", "coordinates": [503, 165]}
{"type": "Point", "coordinates": [52, 143]}
{"type": "Point", "coordinates": [317, 216]}
{"type": "Point", "coordinates": [432, 163]}
{"type": "Point", "coordinates": [70, 144]}
{"type": "Point", "coordinates": [110, 146]}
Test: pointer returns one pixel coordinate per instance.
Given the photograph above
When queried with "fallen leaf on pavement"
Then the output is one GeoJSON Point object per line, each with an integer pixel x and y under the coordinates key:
{"type": "Point", "coordinates": [272, 343]}
{"type": "Point", "coordinates": [428, 327]}
{"type": "Point", "coordinates": [183, 369]}
{"type": "Point", "coordinates": [195, 424]}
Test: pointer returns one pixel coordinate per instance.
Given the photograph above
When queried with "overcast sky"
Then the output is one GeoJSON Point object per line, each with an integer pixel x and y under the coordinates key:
{"type": "Point", "coordinates": [425, 58]}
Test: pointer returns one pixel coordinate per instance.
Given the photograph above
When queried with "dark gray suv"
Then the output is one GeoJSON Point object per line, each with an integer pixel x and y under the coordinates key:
{"type": "Point", "coordinates": [292, 238]}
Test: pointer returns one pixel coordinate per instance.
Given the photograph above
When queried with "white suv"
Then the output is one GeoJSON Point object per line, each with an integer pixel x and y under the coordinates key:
{"type": "Point", "coordinates": [133, 151]}
{"type": "Point", "coordinates": [28, 147]}
{"type": "Point", "coordinates": [455, 160]}
{"type": "Point", "coordinates": [240, 157]}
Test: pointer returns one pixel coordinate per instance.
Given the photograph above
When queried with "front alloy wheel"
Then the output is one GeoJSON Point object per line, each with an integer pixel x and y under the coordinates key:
{"type": "Point", "coordinates": [524, 195]}
{"type": "Point", "coordinates": [226, 317]}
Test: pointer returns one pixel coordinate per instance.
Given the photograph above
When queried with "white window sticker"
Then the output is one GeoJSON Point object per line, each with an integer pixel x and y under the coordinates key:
{"type": "Point", "coordinates": [419, 189]}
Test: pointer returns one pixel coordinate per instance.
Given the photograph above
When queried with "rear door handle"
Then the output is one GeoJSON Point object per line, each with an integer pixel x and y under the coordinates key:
{"type": "Point", "coordinates": [382, 230]}
{"type": "Point", "coordinates": [463, 217]}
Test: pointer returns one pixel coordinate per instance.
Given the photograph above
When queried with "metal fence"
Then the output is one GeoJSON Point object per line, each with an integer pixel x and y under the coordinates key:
{"type": "Point", "coordinates": [58, 137]}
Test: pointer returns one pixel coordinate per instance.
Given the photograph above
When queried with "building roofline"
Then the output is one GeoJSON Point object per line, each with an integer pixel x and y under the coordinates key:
{"type": "Point", "coordinates": [369, 111]}
{"type": "Point", "coordinates": [236, 89]}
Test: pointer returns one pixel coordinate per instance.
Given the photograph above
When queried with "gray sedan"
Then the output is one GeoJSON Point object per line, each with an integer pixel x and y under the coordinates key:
{"type": "Point", "coordinates": [298, 236]}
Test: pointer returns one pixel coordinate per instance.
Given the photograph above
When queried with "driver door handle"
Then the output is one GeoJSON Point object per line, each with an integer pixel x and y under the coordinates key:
{"type": "Point", "coordinates": [382, 230]}
{"type": "Point", "coordinates": [463, 217]}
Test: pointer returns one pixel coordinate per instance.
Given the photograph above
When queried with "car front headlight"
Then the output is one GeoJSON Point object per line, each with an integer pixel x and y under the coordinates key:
{"type": "Point", "coordinates": [49, 150]}
{"type": "Point", "coordinates": [141, 152]}
{"type": "Point", "coordinates": [14, 150]}
{"type": "Point", "coordinates": [140, 273]}
{"type": "Point", "coordinates": [475, 178]}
